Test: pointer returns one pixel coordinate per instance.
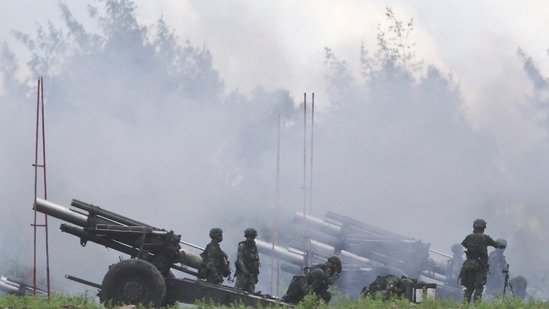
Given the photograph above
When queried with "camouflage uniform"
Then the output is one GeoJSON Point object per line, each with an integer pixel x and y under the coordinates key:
{"type": "Point", "coordinates": [247, 263]}
{"type": "Point", "coordinates": [215, 264]}
{"type": "Point", "coordinates": [475, 268]}
{"type": "Point", "coordinates": [316, 282]}
{"type": "Point", "coordinates": [312, 283]}
{"type": "Point", "coordinates": [496, 272]}
{"type": "Point", "coordinates": [453, 266]}
{"type": "Point", "coordinates": [386, 287]}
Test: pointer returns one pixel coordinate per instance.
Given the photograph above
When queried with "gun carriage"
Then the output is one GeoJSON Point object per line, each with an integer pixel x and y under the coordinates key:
{"type": "Point", "coordinates": [146, 278]}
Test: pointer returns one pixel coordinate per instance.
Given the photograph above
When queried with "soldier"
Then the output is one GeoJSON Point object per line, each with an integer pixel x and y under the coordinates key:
{"type": "Point", "coordinates": [215, 264]}
{"type": "Point", "coordinates": [453, 266]}
{"type": "Point", "coordinates": [519, 285]}
{"type": "Point", "coordinates": [386, 287]}
{"type": "Point", "coordinates": [247, 262]}
{"type": "Point", "coordinates": [474, 269]}
{"type": "Point", "coordinates": [496, 271]}
{"type": "Point", "coordinates": [316, 282]}
{"type": "Point", "coordinates": [332, 269]}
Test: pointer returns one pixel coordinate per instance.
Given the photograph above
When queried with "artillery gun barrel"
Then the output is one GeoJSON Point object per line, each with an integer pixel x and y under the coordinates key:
{"type": "Point", "coordinates": [317, 224]}
{"type": "Point", "coordinates": [69, 215]}
{"type": "Point", "coordinates": [361, 227]}
{"type": "Point", "coordinates": [322, 250]}
{"type": "Point", "coordinates": [60, 212]}
{"type": "Point", "coordinates": [109, 221]}
{"type": "Point", "coordinates": [107, 214]}
{"type": "Point", "coordinates": [280, 252]}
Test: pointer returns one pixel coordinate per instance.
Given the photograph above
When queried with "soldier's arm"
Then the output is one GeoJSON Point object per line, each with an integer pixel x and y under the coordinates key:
{"type": "Point", "coordinates": [465, 242]}
{"type": "Point", "coordinates": [240, 259]}
{"type": "Point", "coordinates": [210, 262]}
{"type": "Point", "coordinates": [494, 243]}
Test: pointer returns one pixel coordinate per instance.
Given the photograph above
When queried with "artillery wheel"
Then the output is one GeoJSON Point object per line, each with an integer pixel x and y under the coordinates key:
{"type": "Point", "coordinates": [133, 282]}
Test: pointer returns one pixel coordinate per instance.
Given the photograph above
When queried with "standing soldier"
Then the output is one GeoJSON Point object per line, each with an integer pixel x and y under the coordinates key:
{"type": "Point", "coordinates": [475, 268]}
{"type": "Point", "coordinates": [453, 266]}
{"type": "Point", "coordinates": [215, 264]}
{"type": "Point", "coordinates": [247, 262]}
{"type": "Point", "coordinates": [495, 282]}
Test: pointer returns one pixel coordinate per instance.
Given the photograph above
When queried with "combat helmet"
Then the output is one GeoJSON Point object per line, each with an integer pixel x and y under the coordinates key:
{"type": "Point", "coordinates": [457, 249]}
{"type": "Point", "coordinates": [502, 242]}
{"type": "Point", "coordinates": [250, 232]}
{"type": "Point", "coordinates": [316, 274]}
{"type": "Point", "coordinates": [335, 260]}
{"type": "Point", "coordinates": [215, 232]}
{"type": "Point", "coordinates": [479, 224]}
{"type": "Point", "coordinates": [519, 282]}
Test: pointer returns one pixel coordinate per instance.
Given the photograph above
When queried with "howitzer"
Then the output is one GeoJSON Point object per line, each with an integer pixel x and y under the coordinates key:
{"type": "Point", "coordinates": [365, 250]}
{"type": "Point", "coordinates": [18, 286]}
{"type": "Point", "coordinates": [146, 277]}
{"type": "Point", "coordinates": [411, 256]}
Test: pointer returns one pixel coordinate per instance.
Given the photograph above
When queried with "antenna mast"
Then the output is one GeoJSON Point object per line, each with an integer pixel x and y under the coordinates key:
{"type": "Point", "coordinates": [40, 142]}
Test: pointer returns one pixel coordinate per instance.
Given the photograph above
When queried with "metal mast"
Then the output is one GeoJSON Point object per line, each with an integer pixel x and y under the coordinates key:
{"type": "Point", "coordinates": [275, 261]}
{"type": "Point", "coordinates": [40, 143]}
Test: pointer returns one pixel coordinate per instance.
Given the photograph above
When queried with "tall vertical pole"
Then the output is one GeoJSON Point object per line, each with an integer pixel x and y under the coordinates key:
{"type": "Point", "coordinates": [275, 261]}
{"type": "Point", "coordinates": [304, 153]}
{"type": "Point", "coordinates": [40, 126]}
{"type": "Point", "coordinates": [311, 168]}
{"type": "Point", "coordinates": [306, 239]}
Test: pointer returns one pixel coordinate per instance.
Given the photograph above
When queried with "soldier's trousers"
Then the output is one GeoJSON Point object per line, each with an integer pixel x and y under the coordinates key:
{"type": "Point", "coordinates": [474, 285]}
{"type": "Point", "coordinates": [246, 283]}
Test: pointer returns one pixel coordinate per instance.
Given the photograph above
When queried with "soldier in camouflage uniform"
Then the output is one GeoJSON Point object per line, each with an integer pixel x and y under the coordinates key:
{"type": "Point", "coordinates": [215, 264]}
{"type": "Point", "coordinates": [519, 285]}
{"type": "Point", "coordinates": [496, 271]}
{"type": "Point", "coordinates": [453, 266]}
{"type": "Point", "coordinates": [332, 269]}
{"type": "Point", "coordinates": [316, 282]}
{"type": "Point", "coordinates": [247, 262]}
{"type": "Point", "coordinates": [475, 268]}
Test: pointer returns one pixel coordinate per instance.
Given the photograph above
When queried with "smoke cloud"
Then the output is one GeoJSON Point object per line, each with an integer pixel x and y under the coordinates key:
{"type": "Point", "coordinates": [157, 113]}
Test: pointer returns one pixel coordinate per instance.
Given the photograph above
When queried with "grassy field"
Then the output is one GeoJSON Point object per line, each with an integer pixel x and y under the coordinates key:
{"type": "Point", "coordinates": [84, 302]}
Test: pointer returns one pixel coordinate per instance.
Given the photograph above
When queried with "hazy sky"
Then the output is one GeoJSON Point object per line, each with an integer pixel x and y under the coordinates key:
{"type": "Point", "coordinates": [280, 44]}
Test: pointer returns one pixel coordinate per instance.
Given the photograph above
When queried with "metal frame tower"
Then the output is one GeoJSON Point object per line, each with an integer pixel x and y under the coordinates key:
{"type": "Point", "coordinates": [40, 153]}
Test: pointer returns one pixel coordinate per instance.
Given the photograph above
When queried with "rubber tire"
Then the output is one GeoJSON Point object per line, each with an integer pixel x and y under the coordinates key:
{"type": "Point", "coordinates": [135, 282]}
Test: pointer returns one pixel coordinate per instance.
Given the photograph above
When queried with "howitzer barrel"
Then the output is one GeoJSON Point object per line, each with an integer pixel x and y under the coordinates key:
{"type": "Point", "coordinates": [107, 214]}
{"type": "Point", "coordinates": [60, 212]}
{"type": "Point", "coordinates": [66, 214]}
{"type": "Point", "coordinates": [120, 233]}
{"type": "Point", "coordinates": [316, 223]}
{"type": "Point", "coordinates": [278, 251]}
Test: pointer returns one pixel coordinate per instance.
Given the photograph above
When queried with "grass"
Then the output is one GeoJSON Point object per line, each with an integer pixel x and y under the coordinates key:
{"type": "Point", "coordinates": [87, 302]}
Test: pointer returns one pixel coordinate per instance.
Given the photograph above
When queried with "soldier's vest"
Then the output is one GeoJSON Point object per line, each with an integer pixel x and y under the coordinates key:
{"type": "Point", "coordinates": [219, 259]}
{"type": "Point", "coordinates": [476, 245]}
{"type": "Point", "coordinates": [250, 257]}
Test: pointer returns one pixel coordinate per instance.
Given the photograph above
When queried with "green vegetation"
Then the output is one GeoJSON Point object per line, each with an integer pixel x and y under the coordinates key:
{"type": "Point", "coordinates": [55, 302]}
{"type": "Point", "coordinates": [87, 302]}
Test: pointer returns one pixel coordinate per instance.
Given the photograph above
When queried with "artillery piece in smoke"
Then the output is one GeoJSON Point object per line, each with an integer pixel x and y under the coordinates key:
{"type": "Point", "coordinates": [366, 251]}
{"type": "Point", "coordinates": [145, 278]}
{"type": "Point", "coordinates": [12, 285]}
